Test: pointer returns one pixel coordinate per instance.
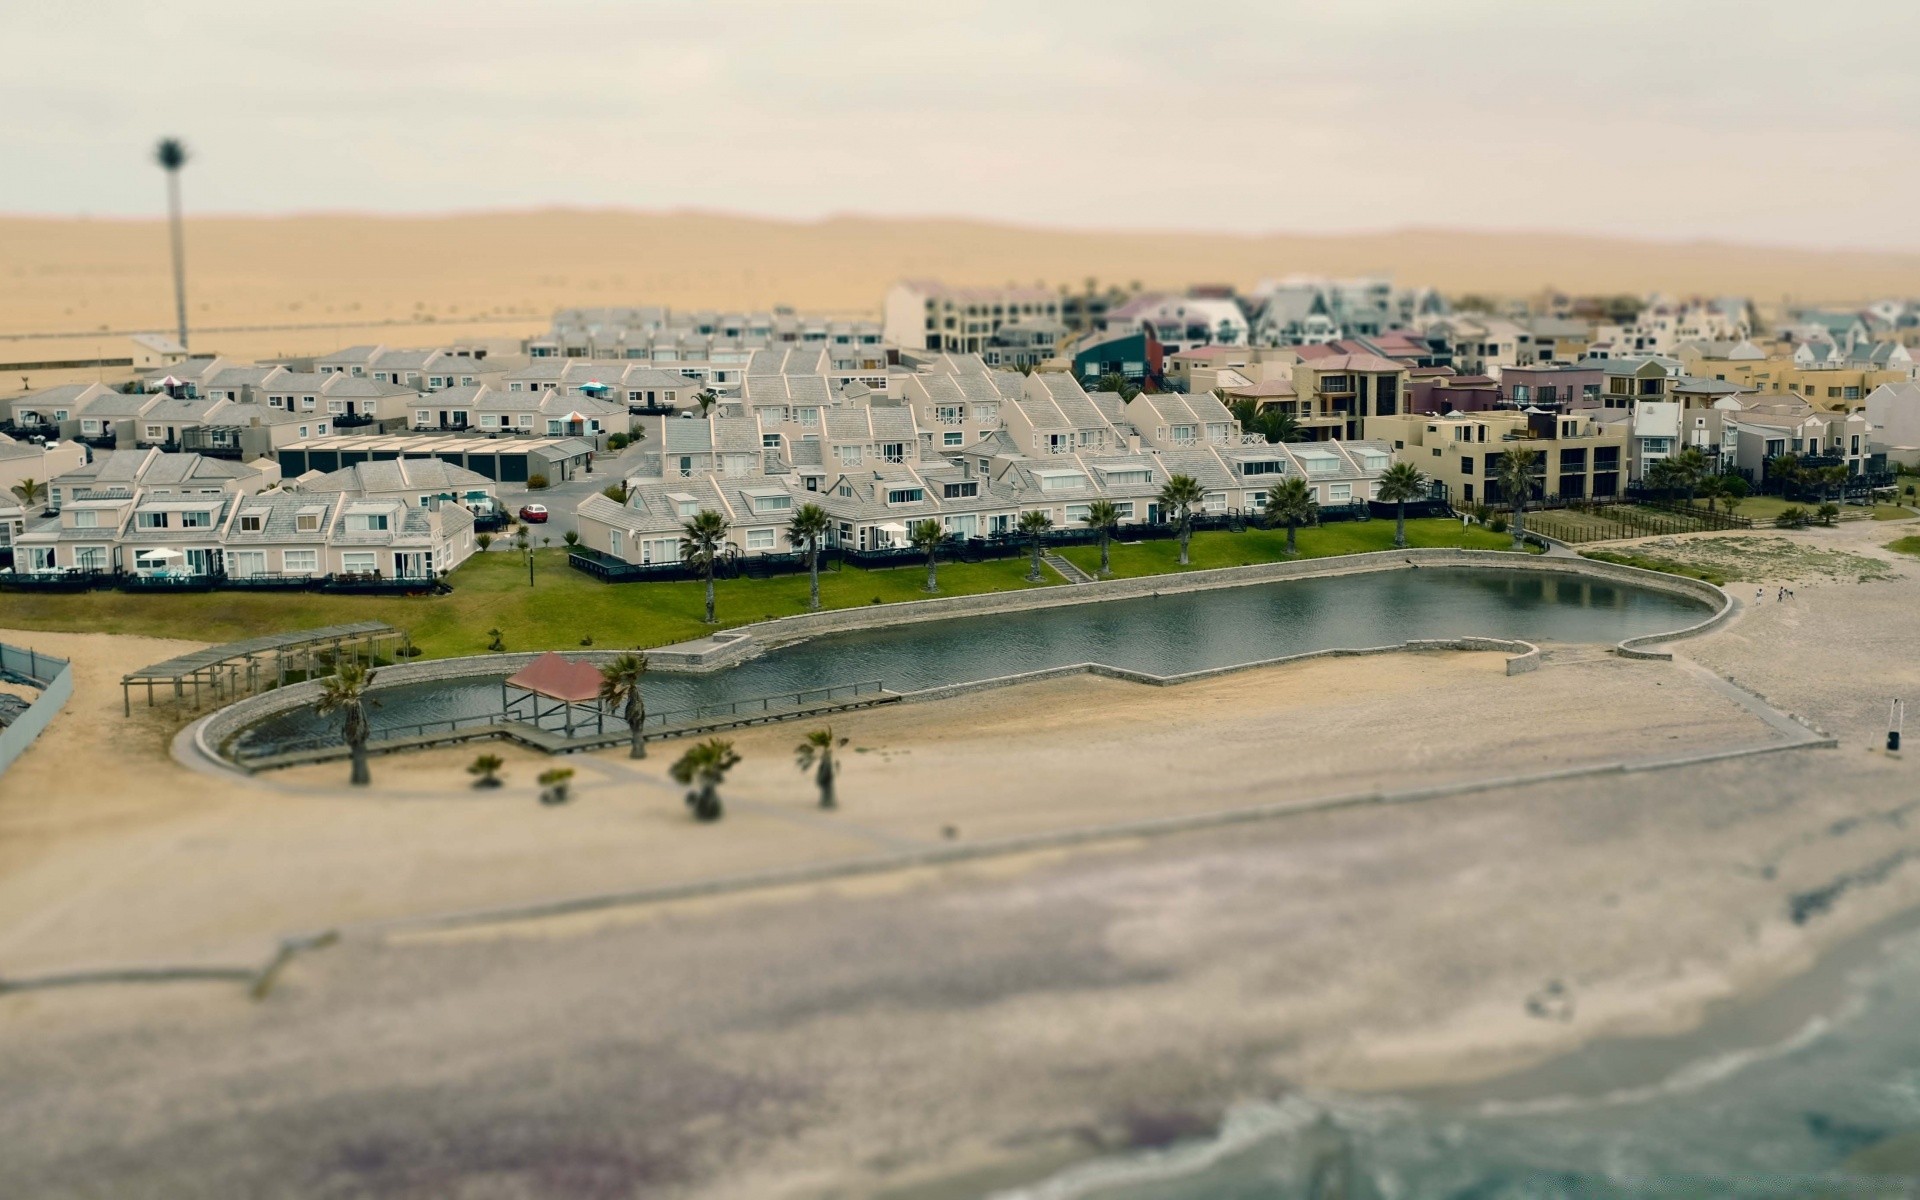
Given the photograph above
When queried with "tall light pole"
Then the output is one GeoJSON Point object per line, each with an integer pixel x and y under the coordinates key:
{"type": "Point", "coordinates": [171, 154]}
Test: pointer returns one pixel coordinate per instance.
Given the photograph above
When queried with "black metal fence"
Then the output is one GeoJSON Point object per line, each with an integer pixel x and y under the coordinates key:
{"type": "Point", "coordinates": [129, 581]}
{"type": "Point", "coordinates": [1010, 544]}
{"type": "Point", "coordinates": [745, 709]}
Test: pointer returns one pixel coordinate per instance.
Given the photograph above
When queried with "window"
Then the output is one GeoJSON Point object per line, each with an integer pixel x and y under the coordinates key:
{"type": "Point", "coordinates": [953, 439]}
{"type": "Point", "coordinates": [905, 495]}
{"type": "Point", "coordinates": [956, 491]}
{"type": "Point", "coordinates": [252, 522]}
{"type": "Point", "coordinates": [357, 562]}
{"type": "Point", "coordinates": [807, 416]}
{"type": "Point", "coordinates": [299, 562]}
{"type": "Point", "coordinates": [366, 522]}
{"type": "Point", "coordinates": [307, 522]}
{"type": "Point", "coordinates": [1466, 464]}
{"type": "Point", "coordinates": [200, 519]}
{"type": "Point", "coordinates": [153, 432]}
{"type": "Point", "coordinates": [90, 558]}
{"type": "Point", "coordinates": [760, 539]}
{"type": "Point", "coordinates": [616, 543]}
{"type": "Point", "coordinates": [247, 562]}
{"type": "Point", "coordinates": [422, 417]}
{"type": "Point", "coordinates": [1183, 435]}
{"type": "Point", "coordinates": [1258, 466]}
{"type": "Point", "coordinates": [769, 441]}
{"type": "Point", "coordinates": [150, 520]}
{"type": "Point", "coordinates": [894, 452]}
{"type": "Point", "coordinates": [86, 519]}
{"type": "Point", "coordinates": [772, 503]}
{"type": "Point", "coordinates": [849, 456]}
{"type": "Point", "coordinates": [336, 406]}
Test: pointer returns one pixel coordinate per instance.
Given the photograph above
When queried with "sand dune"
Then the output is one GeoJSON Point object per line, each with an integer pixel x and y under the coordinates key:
{"type": "Point", "coordinates": [513, 269]}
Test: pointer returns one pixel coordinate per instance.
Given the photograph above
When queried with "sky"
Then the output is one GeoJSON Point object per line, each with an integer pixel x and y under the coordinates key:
{"type": "Point", "coordinates": [1759, 121]}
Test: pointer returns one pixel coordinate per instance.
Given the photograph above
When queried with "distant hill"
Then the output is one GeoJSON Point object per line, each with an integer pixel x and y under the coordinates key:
{"type": "Point", "coordinates": [65, 274]}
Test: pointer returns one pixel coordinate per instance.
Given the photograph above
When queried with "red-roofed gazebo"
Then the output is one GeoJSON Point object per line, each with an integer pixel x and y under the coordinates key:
{"type": "Point", "coordinates": [568, 683]}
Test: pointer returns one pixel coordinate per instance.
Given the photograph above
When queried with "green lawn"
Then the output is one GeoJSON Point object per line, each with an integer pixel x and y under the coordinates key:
{"type": "Point", "coordinates": [563, 607]}
{"type": "Point", "coordinates": [1222, 549]}
{"type": "Point", "coordinates": [1906, 545]}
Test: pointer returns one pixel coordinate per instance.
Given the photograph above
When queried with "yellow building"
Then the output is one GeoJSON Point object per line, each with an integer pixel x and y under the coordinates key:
{"type": "Point", "coordinates": [1580, 454]}
{"type": "Point", "coordinates": [1838, 386]}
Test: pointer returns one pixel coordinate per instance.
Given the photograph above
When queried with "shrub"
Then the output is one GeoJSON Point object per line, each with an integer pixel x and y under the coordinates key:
{"type": "Point", "coordinates": [536, 482]}
{"type": "Point", "coordinates": [486, 770]}
{"type": "Point", "coordinates": [553, 784]}
{"type": "Point", "coordinates": [1497, 524]}
{"type": "Point", "coordinates": [618, 441]}
{"type": "Point", "coordinates": [1829, 512]}
{"type": "Point", "coordinates": [483, 540]}
{"type": "Point", "coordinates": [1793, 517]}
{"type": "Point", "coordinates": [615, 492]}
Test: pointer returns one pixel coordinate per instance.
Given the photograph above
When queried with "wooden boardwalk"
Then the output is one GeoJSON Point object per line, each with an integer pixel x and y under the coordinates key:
{"type": "Point", "coordinates": [554, 742]}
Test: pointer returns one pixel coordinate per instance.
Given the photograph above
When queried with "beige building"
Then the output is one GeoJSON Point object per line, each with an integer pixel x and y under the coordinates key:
{"type": "Point", "coordinates": [1335, 396]}
{"type": "Point", "coordinates": [1578, 454]}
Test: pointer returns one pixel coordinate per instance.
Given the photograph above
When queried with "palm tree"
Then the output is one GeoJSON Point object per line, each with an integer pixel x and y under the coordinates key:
{"type": "Point", "coordinates": [29, 492]}
{"type": "Point", "coordinates": [1784, 467]}
{"type": "Point", "coordinates": [1034, 526]}
{"type": "Point", "coordinates": [926, 536]}
{"type": "Point", "coordinates": [701, 541]}
{"type": "Point", "coordinates": [1689, 467]}
{"type": "Point", "coordinates": [1664, 475]}
{"type": "Point", "coordinates": [704, 767]}
{"type": "Point", "coordinates": [171, 154]}
{"type": "Point", "coordinates": [1279, 425]}
{"type": "Point", "coordinates": [345, 692]}
{"type": "Point", "coordinates": [706, 400]}
{"type": "Point", "coordinates": [1711, 488]}
{"type": "Point", "coordinates": [1178, 500]}
{"type": "Point", "coordinates": [620, 689]}
{"type": "Point", "coordinates": [1401, 482]}
{"type": "Point", "coordinates": [807, 530]}
{"type": "Point", "coordinates": [1291, 503]}
{"type": "Point", "coordinates": [1103, 516]}
{"type": "Point", "coordinates": [1516, 480]}
{"type": "Point", "coordinates": [817, 753]}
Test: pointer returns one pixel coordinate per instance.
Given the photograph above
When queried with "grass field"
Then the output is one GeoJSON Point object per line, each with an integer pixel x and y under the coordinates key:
{"type": "Point", "coordinates": [490, 590]}
{"type": "Point", "coordinates": [1221, 549]}
{"type": "Point", "coordinates": [1906, 545]}
{"type": "Point", "coordinates": [1664, 565]}
{"type": "Point", "coordinates": [564, 606]}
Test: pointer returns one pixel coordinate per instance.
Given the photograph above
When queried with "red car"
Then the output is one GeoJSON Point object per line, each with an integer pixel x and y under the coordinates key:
{"type": "Point", "coordinates": [533, 514]}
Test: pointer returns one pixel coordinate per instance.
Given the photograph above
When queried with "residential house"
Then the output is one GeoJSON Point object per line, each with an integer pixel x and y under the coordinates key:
{"type": "Point", "coordinates": [923, 314]}
{"type": "Point", "coordinates": [1584, 455]}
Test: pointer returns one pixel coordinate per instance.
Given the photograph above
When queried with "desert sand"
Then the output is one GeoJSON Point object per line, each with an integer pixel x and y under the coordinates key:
{"type": "Point", "coordinates": [435, 277]}
{"type": "Point", "coordinates": [846, 1038]}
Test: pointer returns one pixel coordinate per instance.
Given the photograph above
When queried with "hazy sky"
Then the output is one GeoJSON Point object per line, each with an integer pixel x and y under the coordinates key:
{"type": "Point", "coordinates": [1752, 121]}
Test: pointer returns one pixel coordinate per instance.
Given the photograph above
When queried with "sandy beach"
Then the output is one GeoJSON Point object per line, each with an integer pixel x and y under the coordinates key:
{"type": "Point", "coordinates": [939, 1029]}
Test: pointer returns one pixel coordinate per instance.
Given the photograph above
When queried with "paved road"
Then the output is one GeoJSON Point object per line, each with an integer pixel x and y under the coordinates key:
{"type": "Point", "coordinates": [561, 498]}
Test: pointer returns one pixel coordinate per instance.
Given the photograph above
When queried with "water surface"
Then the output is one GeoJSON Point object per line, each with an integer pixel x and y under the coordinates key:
{"type": "Point", "coordinates": [1160, 635]}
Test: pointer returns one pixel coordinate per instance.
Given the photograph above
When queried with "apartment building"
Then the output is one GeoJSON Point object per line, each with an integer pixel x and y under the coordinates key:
{"type": "Point", "coordinates": [1577, 455]}
{"type": "Point", "coordinates": [1336, 394]}
{"type": "Point", "coordinates": [925, 314]}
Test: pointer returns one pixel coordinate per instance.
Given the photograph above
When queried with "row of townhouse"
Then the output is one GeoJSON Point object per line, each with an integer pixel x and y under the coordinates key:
{"type": "Point", "coordinates": [548, 413]}
{"type": "Point", "coordinates": [637, 332]}
{"type": "Point", "coordinates": [1055, 448]}
{"type": "Point", "coordinates": [184, 516]}
{"type": "Point", "coordinates": [422, 370]}
{"type": "Point", "coordinates": [985, 496]}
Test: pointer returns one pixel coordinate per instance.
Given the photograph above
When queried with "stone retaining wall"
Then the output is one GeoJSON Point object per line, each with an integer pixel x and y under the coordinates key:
{"type": "Point", "coordinates": [749, 640]}
{"type": "Point", "coordinates": [1526, 658]}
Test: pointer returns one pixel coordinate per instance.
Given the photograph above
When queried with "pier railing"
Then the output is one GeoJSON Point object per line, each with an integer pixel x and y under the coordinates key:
{"type": "Point", "coordinates": [743, 709]}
